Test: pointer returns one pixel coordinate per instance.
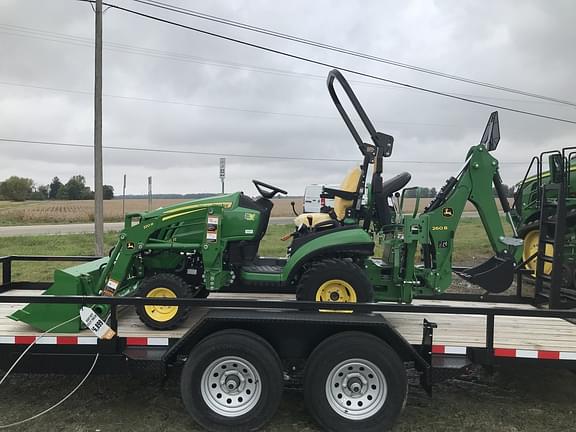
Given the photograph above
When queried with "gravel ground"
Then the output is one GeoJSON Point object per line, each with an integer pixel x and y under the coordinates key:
{"type": "Point", "coordinates": [510, 399]}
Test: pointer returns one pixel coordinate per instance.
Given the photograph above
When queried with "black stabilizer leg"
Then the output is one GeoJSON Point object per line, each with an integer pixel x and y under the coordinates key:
{"type": "Point", "coordinates": [426, 353]}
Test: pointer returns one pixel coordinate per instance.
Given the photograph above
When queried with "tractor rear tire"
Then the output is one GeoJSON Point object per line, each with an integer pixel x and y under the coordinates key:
{"type": "Point", "coordinates": [163, 285]}
{"type": "Point", "coordinates": [335, 280]}
{"type": "Point", "coordinates": [354, 381]}
{"type": "Point", "coordinates": [232, 381]}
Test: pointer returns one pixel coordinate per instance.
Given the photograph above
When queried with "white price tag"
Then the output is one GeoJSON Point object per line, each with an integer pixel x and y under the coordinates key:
{"type": "Point", "coordinates": [96, 324]}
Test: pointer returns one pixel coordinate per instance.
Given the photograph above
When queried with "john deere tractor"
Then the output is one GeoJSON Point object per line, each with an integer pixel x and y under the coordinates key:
{"type": "Point", "coordinates": [537, 199]}
{"type": "Point", "coordinates": [211, 245]}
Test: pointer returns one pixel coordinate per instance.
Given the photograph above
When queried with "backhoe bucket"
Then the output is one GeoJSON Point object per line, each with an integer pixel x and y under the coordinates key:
{"type": "Point", "coordinates": [495, 275]}
{"type": "Point", "coordinates": [78, 280]}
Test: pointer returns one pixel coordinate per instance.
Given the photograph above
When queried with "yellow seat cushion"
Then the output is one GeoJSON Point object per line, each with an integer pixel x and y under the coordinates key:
{"type": "Point", "coordinates": [350, 184]}
{"type": "Point", "coordinates": [311, 219]}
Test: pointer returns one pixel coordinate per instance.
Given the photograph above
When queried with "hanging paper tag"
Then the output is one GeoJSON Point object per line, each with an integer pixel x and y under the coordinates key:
{"type": "Point", "coordinates": [96, 324]}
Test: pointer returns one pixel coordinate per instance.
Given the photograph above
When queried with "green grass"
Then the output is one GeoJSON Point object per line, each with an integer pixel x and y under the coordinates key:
{"type": "Point", "coordinates": [471, 245]}
{"type": "Point", "coordinates": [71, 244]}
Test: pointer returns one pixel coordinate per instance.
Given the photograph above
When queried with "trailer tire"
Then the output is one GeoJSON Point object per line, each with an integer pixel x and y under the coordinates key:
{"type": "Point", "coordinates": [335, 279]}
{"type": "Point", "coordinates": [253, 367]}
{"type": "Point", "coordinates": [163, 285]}
{"type": "Point", "coordinates": [354, 381]}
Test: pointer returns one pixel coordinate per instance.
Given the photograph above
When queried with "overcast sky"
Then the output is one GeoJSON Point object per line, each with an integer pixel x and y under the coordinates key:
{"type": "Point", "coordinates": [171, 88]}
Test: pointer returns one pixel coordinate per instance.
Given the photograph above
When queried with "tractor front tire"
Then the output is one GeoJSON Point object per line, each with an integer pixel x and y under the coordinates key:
{"type": "Point", "coordinates": [163, 285]}
{"type": "Point", "coordinates": [335, 280]}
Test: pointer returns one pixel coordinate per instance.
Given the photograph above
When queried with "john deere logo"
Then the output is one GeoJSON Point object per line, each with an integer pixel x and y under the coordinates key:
{"type": "Point", "coordinates": [447, 212]}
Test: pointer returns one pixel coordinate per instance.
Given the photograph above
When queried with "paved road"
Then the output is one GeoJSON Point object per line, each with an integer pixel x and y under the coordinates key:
{"type": "Point", "coordinates": [8, 231]}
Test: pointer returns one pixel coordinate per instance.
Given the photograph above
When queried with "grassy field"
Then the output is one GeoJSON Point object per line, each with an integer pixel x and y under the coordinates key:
{"type": "Point", "coordinates": [54, 212]}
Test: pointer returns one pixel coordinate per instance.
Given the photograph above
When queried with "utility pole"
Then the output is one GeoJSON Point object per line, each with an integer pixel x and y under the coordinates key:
{"type": "Point", "coordinates": [124, 197]}
{"type": "Point", "coordinates": [98, 192]}
{"type": "Point", "coordinates": [149, 193]}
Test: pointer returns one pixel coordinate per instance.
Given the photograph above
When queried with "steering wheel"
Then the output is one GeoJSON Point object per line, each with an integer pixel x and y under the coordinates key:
{"type": "Point", "coordinates": [273, 190]}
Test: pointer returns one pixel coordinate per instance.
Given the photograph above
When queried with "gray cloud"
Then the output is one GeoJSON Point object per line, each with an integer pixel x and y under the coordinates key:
{"type": "Point", "coordinates": [526, 45]}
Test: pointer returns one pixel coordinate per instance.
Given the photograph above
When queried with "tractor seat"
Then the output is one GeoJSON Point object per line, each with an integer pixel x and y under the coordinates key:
{"type": "Point", "coordinates": [349, 184]}
{"type": "Point", "coordinates": [312, 219]}
{"type": "Point", "coordinates": [395, 183]}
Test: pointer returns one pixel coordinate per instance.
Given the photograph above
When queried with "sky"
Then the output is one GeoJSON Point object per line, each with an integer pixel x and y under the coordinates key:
{"type": "Point", "coordinates": [174, 89]}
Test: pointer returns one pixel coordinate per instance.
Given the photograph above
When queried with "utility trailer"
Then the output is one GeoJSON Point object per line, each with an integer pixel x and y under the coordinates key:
{"type": "Point", "coordinates": [236, 353]}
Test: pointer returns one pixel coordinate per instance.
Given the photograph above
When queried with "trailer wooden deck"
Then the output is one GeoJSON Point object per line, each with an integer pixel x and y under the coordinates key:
{"type": "Point", "coordinates": [513, 336]}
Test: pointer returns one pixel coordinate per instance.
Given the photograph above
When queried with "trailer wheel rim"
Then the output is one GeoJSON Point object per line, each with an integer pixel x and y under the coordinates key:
{"type": "Point", "coordinates": [531, 240]}
{"type": "Point", "coordinates": [231, 386]}
{"type": "Point", "coordinates": [336, 290]}
{"type": "Point", "coordinates": [356, 389]}
{"type": "Point", "coordinates": [161, 313]}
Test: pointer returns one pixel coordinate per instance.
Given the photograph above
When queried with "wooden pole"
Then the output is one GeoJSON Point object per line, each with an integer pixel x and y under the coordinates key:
{"type": "Point", "coordinates": [98, 188]}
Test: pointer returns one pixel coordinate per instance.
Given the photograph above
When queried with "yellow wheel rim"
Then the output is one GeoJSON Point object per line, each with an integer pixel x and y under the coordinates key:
{"type": "Point", "coordinates": [531, 240]}
{"type": "Point", "coordinates": [336, 290]}
{"type": "Point", "coordinates": [161, 313]}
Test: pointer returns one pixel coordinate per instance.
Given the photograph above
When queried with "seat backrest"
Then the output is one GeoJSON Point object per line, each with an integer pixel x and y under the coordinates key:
{"type": "Point", "coordinates": [349, 184]}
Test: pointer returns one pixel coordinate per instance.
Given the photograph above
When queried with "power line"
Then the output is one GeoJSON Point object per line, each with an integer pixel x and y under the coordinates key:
{"type": "Point", "coordinates": [238, 155]}
{"type": "Point", "coordinates": [261, 30]}
{"type": "Point", "coordinates": [330, 65]}
{"type": "Point", "coordinates": [215, 107]}
{"type": "Point", "coordinates": [28, 32]}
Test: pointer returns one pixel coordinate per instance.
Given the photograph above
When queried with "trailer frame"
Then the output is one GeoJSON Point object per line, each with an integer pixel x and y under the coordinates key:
{"type": "Point", "coordinates": [274, 320]}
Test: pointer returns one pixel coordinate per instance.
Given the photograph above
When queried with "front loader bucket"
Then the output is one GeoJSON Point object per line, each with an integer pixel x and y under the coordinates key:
{"type": "Point", "coordinates": [77, 280]}
{"type": "Point", "coordinates": [495, 275]}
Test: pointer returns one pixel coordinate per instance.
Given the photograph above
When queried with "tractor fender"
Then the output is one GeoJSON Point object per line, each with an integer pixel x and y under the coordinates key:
{"type": "Point", "coordinates": [347, 242]}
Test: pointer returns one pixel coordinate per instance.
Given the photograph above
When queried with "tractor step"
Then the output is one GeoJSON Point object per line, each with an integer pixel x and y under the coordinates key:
{"type": "Point", "coordinates": [268, 269]}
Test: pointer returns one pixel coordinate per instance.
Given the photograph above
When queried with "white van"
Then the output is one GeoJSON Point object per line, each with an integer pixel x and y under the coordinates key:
{"type": "Point", "coordinates": [313, 202]}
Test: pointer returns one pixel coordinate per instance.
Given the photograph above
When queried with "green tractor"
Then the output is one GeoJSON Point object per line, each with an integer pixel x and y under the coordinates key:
{"type": "Point", "coordinates": [531, 208]}
{"type": "Point", "coordinates": [211, 245]}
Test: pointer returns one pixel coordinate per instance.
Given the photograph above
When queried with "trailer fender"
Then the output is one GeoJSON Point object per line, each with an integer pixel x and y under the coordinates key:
{"type": "Point", "coordinates": [342, 242]}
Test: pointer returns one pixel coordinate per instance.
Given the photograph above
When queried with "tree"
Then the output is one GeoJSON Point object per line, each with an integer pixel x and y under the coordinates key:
{"type": "Point", "coordinates": [108, 192]}
{"type": "Point", "coordinates": [75, 189]}
{"type": "Point", "coordinates": [54, 188]}
{"type": "Point", "coordinates": [40, 193]}
{"type": "Point", "coordinates": [508, 191]}
{"type": "Point", "coordinates": [43, 190]}
{"type": "Point", "coordinates": [16, 188]}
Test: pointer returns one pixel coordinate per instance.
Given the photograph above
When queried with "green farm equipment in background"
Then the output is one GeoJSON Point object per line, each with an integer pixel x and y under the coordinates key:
{"type": "Point", "coordinates": [544, 212]}
{"type": "Point", "coordinates": [211, 245]}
